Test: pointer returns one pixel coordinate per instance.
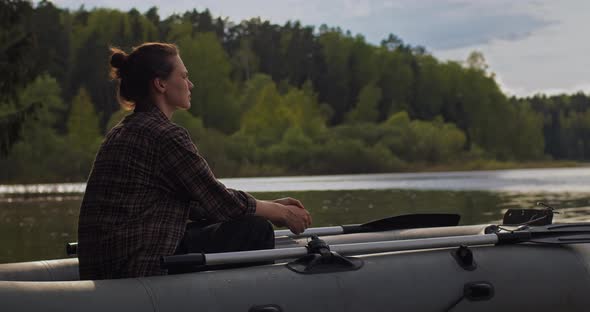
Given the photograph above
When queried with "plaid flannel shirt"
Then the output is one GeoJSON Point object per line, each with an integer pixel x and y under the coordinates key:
{"type": "Point", "coordinates": [147, 180]}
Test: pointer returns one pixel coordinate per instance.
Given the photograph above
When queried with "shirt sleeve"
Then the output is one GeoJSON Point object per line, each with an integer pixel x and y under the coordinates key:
{"type": "Point", "coordinates": [182, 164]}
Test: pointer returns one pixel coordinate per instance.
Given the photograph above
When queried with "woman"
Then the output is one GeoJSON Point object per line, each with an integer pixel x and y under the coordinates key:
{"type": "Point", "coordinates": [148, 180]}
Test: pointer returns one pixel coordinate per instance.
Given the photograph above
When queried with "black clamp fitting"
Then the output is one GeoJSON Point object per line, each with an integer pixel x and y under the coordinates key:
{"type": "Point", "coordinates": [464, 257]}
{"type": "Point", "coordinates": [318, 246]}
{"type": "Point", "coordinates": [320, 259]}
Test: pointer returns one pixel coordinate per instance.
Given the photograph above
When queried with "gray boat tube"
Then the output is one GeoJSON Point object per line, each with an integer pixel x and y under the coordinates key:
{"type": "Point", "coordinates": [523, 277]}
{"type": "Point", "coordinates": [551, 234]}
{"type": "Point", "coordinates": [67, 269]}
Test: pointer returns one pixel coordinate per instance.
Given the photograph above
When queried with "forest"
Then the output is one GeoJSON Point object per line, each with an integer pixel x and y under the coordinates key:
{"type": "Point", "coordinates": [268, 99]}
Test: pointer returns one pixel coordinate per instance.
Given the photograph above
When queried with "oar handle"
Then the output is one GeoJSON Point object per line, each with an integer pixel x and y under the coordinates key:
{"type": "Point", "coordinates": [191, 259]}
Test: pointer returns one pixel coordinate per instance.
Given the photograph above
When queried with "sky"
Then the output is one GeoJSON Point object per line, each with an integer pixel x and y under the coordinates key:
{"type": "Point", "coordinates": [532, 46]}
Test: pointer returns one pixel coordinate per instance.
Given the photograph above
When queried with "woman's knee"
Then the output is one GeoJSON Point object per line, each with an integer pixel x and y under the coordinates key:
{"type": "Point", "coordinates": [258, 231]}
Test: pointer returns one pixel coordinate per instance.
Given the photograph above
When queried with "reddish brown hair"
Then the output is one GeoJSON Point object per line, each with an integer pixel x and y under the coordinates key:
{"type": "Point", "coordinates": [136, 70]}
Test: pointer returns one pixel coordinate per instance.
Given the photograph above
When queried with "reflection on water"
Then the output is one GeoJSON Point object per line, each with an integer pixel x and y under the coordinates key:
{"type": "Point", "coordinates": [57, 188]}
{"type": "Point", "coordinates": [37, 227]}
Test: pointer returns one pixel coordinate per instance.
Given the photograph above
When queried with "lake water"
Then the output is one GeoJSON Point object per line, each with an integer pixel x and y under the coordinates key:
{"type": "Point", "coordinates": [37, 220]}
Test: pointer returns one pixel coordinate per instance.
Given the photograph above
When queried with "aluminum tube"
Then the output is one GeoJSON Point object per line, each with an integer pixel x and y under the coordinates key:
{"type": "Point", "coordinates": [352, 249]}
{"type": "Point", "coordinates": [328, 230]}
{"type": "Point", "coordinates": [414, 244]}
{"type": "Point", "coordinates": [254, 255]}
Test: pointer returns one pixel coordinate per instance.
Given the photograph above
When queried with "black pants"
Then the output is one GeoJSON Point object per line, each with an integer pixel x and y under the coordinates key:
{"type": "Point", "coordinates": [248, 233]}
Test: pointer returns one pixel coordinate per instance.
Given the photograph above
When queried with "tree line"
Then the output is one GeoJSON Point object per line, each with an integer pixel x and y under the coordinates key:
{"type": "Point", "coordinates": [269, 99]}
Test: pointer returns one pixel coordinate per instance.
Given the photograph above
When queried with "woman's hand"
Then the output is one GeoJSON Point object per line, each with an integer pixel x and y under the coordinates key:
{"type": "Point", "coordinates": [287, 212]}
{"type": "Point", "coordinates": [289, 201]}
{"type": "Point", "coordinates": [297, 219]}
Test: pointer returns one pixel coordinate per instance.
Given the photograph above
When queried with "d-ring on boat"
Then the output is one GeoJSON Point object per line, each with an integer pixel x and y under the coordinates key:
{"type": "Point", "coordinates": [422, 262]}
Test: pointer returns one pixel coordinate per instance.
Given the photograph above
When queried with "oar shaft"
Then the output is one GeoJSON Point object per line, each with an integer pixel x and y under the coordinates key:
{"type": "Point", "coordinates": [415, 244]}
{"type": "Point", "coordinates": [351, 249]}
{"type": "Point", "coordinates": [423, 220]}
{"type": "Point", "coordinates": [320, 231]}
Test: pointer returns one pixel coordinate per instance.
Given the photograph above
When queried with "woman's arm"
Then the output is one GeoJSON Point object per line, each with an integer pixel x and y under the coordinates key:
{"type": "Point", "coordinates": [187, 173]}
{"type": "Point", "coordinates": [190, 174]}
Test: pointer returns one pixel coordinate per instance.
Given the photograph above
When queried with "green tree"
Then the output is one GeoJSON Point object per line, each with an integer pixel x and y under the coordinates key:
{"type": "Point", "coordinates": [477, 61]}
{"type": "Point", "coordinates": [53, 40]}
{"type": "Point", "coordinates": [245, 62]}
{"type": "Point", "coordinates": [83, 137]}
{"type": "Point", "coordinates": [83, 127]}
{"type": "Point", "coordinates": [575, 135]}
{"type": "Point", "coordinates": [37, 156]}
{"type": "Point", "coordinates": [363, 69]}
{"type": "Point", "coordinates": [251, 89]}
{"type": "Point", "coordinates": [366, 109]}
{"type": "Point", "coordinates": [45, 90]}
{"type": "Point", "coordinates": [395, 81]}
{"type": "Point", "coordinates": [435, 142]}
{"type": "Point", "coordinates": [335, 82]}
{"type": "Point", "coordinates": [92, 34]}
{"type": "Point", "coordinates": [178, 29]}
{"type": "Point", "coordinates": [304, 110]}
{"type": "Point", "coordinates": [268, 119]}
{"type": "Point", "coordinates": [213, 97]}
{"type": "Point", "coordinates": [428, 88]}
{"type": "Point", "coordinates": [17, 68]}
{"type": "Point", "coordinates": [297, 50]}
{"type": "Point", "coordinates": [425, 141]}
{"type": "Point", "coordinates": [152, 15]}
{"type": "Point", "coordinates": [526, 126]}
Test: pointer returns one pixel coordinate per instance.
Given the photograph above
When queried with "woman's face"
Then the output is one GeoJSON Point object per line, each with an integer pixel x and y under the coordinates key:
{"type": "Point", "coordinates": [178, 86]}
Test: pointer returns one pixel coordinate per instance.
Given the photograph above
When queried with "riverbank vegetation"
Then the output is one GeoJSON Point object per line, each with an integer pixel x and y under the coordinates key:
{"type": "Point", "coordinates": [276, 99]}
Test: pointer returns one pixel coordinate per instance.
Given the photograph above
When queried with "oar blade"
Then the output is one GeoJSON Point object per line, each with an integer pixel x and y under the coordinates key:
{"type": "Point", "coordinates": [567, 239]}
{"type": "Point", "coordinates": [412, 221]}
{"type": "Point", "coordinates": [573, 233]}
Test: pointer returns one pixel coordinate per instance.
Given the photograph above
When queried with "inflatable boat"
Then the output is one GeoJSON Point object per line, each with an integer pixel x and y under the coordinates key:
{"type": "Point", "coordinates": [405, 263]}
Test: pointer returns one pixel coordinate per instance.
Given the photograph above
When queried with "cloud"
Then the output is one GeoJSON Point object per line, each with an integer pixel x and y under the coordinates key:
{"type": "Point", "coordinates": [551, 60]}
{"type": "Point", "coordinates": [446, 24]}
{"type": "Point", "coordinates": [358, 8]}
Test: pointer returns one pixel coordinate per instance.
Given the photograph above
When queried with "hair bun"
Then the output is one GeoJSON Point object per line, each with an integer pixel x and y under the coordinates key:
{"type": "Point", "coordinates": [118, 60]}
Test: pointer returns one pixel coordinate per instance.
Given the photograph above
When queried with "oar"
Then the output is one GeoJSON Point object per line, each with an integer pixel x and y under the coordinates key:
{"type": "Point", "coordinates": [409, 221]}
{"type": "Point", "coordinates": [552, 234]}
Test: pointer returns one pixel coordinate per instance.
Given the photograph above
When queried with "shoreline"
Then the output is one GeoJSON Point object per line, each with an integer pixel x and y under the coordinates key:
{"type": "Point", "coordinates": [475, 165]}
{"type": "Point", "coordinates": [487, 165]}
